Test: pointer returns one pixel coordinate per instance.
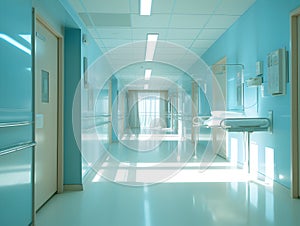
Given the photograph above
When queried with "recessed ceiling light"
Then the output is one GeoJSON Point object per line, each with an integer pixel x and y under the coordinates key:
{"type": "Point", "coordinates": [148, 74]}
{"type": "Point", "coordinates": [145, 7]}
{"type": "Point", "coordinates": [151, 45]}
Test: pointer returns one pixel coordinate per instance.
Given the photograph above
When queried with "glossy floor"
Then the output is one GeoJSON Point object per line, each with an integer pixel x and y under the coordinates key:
{"type": "Point", "coordinates": [222, 195]}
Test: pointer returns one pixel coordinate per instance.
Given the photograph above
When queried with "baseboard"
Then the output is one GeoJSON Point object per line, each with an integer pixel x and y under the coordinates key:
{"type": "Point", "coordinates": [73, 187]}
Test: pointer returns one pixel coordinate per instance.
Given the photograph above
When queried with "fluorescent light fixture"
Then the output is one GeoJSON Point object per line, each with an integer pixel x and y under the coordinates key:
{"type": "Point", "coordinates": [145, 7]}
{"type": "Point", "coordinates": [148, 74]}
{"type": "Point", "coordinates": [146, 86]}
{"type": "Point", "coordinates": [151, 45]}
{"type": "Point", "coordinates": [15, 43]}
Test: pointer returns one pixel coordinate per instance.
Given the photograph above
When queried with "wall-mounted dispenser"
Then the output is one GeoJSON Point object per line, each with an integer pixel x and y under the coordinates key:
{"type": "Point", "coordinates": [277, 72]}
{"type": "Point", "coordinates": [259, 68]}
{"type": "Point", "coordinates": [255, 81]}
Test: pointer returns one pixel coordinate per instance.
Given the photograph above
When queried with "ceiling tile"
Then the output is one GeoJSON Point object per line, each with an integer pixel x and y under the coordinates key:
{"type": "Point", "coordinates": [134, 6]}
{"type": "Point", "coordinates": [113, 33]}
{"type": "Point", "coordinates": [141, 33]}
{"type": "Point", "coordinates": [77, 5]}
{"type": "Point", "coordinates": [199, 51]}
{"type": "Point", "coordinates": [183, 42]}
{"type": "Point", "coordinates": [234, 7]}
{"type": "Point", "coordinates": [104, 6]}
{"type": "Point", "coordinates": [113, 43]}
{"type": "Point", "coordinates": [211, 33]}
{"type": "Point", "coordinates": [221, 21]}
{"type": "Point", "coordinates": [182, 33]}
{"type": "Point", "coordinates": [203, 43]}
{"type": "Point", "coordinates": [189, 21]}
{"type": "Point", "coordinates": [195, 6]}
{"type": "Point", "coordinates": [160, 6]}
{"type": "Point", "coordinates": [153, 21]}
{"type": "Point", "coordinates": [106, 19]}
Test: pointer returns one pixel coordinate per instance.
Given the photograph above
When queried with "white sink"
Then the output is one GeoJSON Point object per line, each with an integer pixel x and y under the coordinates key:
{"type": "Point", "coordinates": [245, 124]}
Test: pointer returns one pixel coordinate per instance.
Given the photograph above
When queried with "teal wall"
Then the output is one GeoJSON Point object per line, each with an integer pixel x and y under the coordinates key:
{"type": "Point", "coordinates": [16, 96]}
{"type": "Point", "coordinates": [264, 28]}
{"type": "Point", "coordinates": [16, 102]}
{"type": "Point", "coordinates": [72, 77]}
{"type": "Point", "coordinates": [91, 51]}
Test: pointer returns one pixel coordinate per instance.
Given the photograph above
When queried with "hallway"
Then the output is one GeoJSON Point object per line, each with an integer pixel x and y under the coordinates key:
{"type": "Point", "coordinates": [222, 195]}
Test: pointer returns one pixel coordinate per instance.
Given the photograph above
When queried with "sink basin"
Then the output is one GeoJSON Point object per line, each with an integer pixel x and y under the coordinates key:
{"type": "Point", "coordinates": [245, 124]}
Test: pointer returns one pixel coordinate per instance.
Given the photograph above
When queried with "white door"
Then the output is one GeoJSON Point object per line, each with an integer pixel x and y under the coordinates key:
{"type": "Point", "coordinates": [46, 80]}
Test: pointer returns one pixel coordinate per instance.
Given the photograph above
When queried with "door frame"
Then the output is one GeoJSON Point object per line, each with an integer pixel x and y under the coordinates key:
{"type": "Point", "coordinates": [295, 103]}
{"type": "Point", "coordinates": [60, 95]}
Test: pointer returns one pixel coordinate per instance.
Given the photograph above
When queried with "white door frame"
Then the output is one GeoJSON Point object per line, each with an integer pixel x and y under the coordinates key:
{"type": "Point", "coordinates": [295, 103]}
{"type": "Point", "coordinates": [60, 118]}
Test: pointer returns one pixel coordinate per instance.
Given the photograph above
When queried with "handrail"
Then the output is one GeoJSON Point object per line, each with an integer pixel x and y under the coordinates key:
{"type": "Point", "coordinates": [14, 124]}
{"type": "Point", "coordinates": [96, 116]}
{"type": "Point", "coordinates": [97, 125]}
{"type": "Point", "coordinates": [16, 147]}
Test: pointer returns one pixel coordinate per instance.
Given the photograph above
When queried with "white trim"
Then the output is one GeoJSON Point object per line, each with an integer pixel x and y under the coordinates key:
{"type": "Point", "coordinates": [60, 118]}
{"type": "Point", "coordinates": [60, 128]}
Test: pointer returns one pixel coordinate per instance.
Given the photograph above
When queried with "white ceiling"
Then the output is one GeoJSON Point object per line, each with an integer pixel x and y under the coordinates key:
{"type": "Point", "coordinates": [193, 24]}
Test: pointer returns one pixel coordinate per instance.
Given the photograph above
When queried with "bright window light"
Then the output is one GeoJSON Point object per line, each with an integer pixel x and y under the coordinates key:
{"type": "Point", "coordinates": [148, 74]}
{"type": "Point", "coordinates": [151, 45]}
{"type": "Point", "coordinates": [15, 43]}
{"type": "Point", "coordinates": [27, 38]}
{"type": "Point", "coordinates": [145, 7]}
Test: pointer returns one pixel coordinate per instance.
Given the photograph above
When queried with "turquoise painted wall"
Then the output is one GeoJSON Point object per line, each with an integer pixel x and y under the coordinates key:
{"type": "Point", "coordinates": [264, 28]}
{"type": "Point", "coordinates": [72, 148]}
{"type": "Point", "coordinates": [15, 105]}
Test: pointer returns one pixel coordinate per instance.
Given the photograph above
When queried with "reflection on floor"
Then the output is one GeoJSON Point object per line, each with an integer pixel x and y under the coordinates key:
{"type": "Point", "coordinates": [221, 195]}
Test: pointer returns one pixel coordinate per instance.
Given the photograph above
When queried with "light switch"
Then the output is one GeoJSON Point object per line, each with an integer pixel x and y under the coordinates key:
{"type": "Point", "coordinates": [39, 121]}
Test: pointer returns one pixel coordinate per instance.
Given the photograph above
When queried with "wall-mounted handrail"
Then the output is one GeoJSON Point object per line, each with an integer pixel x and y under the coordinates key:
{"type": "Point", "coordinates": [16, 147]}
{"type": "Point", "coordinates": [14, 124]}
{"type": "Point", "coordinates": [96, 116]}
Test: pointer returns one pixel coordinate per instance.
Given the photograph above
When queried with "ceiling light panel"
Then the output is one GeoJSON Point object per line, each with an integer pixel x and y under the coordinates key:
{"type": "Point", "coordinates": [141, 33]}
{"type": "Point", "coordinates": [148, 74]}
{"type": "Point", "coordinates": [145, 7]}
{"type": "Point", "coordinates": [151, 46]}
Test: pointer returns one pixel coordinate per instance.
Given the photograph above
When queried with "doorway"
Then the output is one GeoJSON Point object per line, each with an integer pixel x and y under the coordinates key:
{"type": "Point", "coordinates": [295, 102]}
{"type": "Point", "coordinates": [48, 114]}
